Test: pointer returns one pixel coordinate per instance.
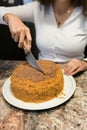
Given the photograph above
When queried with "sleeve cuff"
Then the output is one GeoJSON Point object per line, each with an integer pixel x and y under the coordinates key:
{"type": "Point", "coordinates": [2, 13]}
{"type": "Point", "coordinates": [85, 59]}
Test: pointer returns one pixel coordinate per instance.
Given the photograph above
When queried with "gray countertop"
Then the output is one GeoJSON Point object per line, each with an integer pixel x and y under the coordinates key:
{"type": "Point", "coordinates": [71, 115]}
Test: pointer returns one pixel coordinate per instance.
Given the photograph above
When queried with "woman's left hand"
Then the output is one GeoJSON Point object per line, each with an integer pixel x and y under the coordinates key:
{"type": "Point", "coordinates": [74, 66]}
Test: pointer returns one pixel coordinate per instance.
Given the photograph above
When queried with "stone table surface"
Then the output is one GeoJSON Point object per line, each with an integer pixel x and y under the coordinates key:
{"type": "Point", "coordinates": [71, 115]}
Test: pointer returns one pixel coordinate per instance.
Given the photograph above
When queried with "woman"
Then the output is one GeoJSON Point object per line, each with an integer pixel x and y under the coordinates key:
{"type": "Point", "coordinates": [61, 30]}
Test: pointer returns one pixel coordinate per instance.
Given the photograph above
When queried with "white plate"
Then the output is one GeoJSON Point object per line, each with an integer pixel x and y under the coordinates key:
{"type": "Point", "coordinates": [69, 88]}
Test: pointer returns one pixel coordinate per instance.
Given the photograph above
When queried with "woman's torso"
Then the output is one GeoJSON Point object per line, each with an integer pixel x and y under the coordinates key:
{"type": "Point", "coordinates": [64, 43]}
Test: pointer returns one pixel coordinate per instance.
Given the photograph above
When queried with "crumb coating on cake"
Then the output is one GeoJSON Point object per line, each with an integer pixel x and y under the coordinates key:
{"type": "Point", "coordinates": [30, 85]}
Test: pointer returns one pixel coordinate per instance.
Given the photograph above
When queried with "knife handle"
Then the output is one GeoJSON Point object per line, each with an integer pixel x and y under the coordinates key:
{"type": "Point", "coordinates": [25, 50]}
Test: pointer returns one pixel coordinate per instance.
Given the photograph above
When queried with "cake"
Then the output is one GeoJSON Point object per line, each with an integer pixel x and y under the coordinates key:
{"type": "Point", "coordinates": [31, 85]}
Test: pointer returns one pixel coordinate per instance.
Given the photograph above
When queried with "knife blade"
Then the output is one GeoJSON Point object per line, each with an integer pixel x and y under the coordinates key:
{"type": "Point", "coordinates": [32, 61]}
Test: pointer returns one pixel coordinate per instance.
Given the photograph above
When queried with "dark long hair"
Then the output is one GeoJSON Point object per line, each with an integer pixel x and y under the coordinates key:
{"type": "Point", "coordinates": [75, 3]}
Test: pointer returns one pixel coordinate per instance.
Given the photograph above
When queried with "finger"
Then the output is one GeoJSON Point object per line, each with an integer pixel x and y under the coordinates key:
{"type": "Point", "coordinates": [24, 47]}
{"type": "Point", "coordinates": [16, 37]}
{"type": "Point", "coordinates": [12, 35]}
{"type": "Point", "coordinates": [73, 68]}
{"type": "Point", "coordinates": [66, 70]}
{"type": "Point", "coordinates": [75, 71]}
{"type": "Point", "coordinates": [28, 40]}
{"type": "Point", "coordinates": [64, 67]}
{"type": "Point", "coordinates": [72, 65]}
{"type": "Point", "coordinates": [28, 36]}
{"type": "Point", "coordinates": [72, 62]}
{"type": "Point", "coordinates": [20, 45]}
{"type": "Point", "coordinates": [27, 46]}
{"type": "Point", "coordinates": [21, 39]}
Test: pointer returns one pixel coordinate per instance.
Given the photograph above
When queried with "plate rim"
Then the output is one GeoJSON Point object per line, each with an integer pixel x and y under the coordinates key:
{"type": "Point", "coordinates": [37, 106]}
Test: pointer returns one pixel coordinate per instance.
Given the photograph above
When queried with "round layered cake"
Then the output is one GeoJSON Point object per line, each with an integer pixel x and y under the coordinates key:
{"type": "Point", "coordinates": [31, 85]}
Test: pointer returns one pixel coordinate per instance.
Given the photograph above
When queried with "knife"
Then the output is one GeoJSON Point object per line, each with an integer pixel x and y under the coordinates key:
{"type": "Point", "coordinates": [32, 61]}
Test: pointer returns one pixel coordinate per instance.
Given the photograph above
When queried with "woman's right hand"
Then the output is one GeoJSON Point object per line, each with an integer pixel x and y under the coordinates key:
{"type": "Point", "coordinates": [19, 32]}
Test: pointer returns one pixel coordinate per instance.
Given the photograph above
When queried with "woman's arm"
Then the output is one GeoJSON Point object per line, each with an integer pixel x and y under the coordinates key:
{"type": "Point", "coordinates": [19, 32]}
{"type": "Point", "coordinates": [24, 12]}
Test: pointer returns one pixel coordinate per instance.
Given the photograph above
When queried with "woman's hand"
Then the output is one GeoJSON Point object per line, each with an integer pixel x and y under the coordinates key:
{"type": "Point", "coordinates": [19, 32]}
{"type": "Point", "coordinates": [74, 66]}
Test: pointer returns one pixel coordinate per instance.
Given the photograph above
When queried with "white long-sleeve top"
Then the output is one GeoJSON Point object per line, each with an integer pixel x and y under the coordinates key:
{"type": "Point", "coordinates": [57, 44]}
